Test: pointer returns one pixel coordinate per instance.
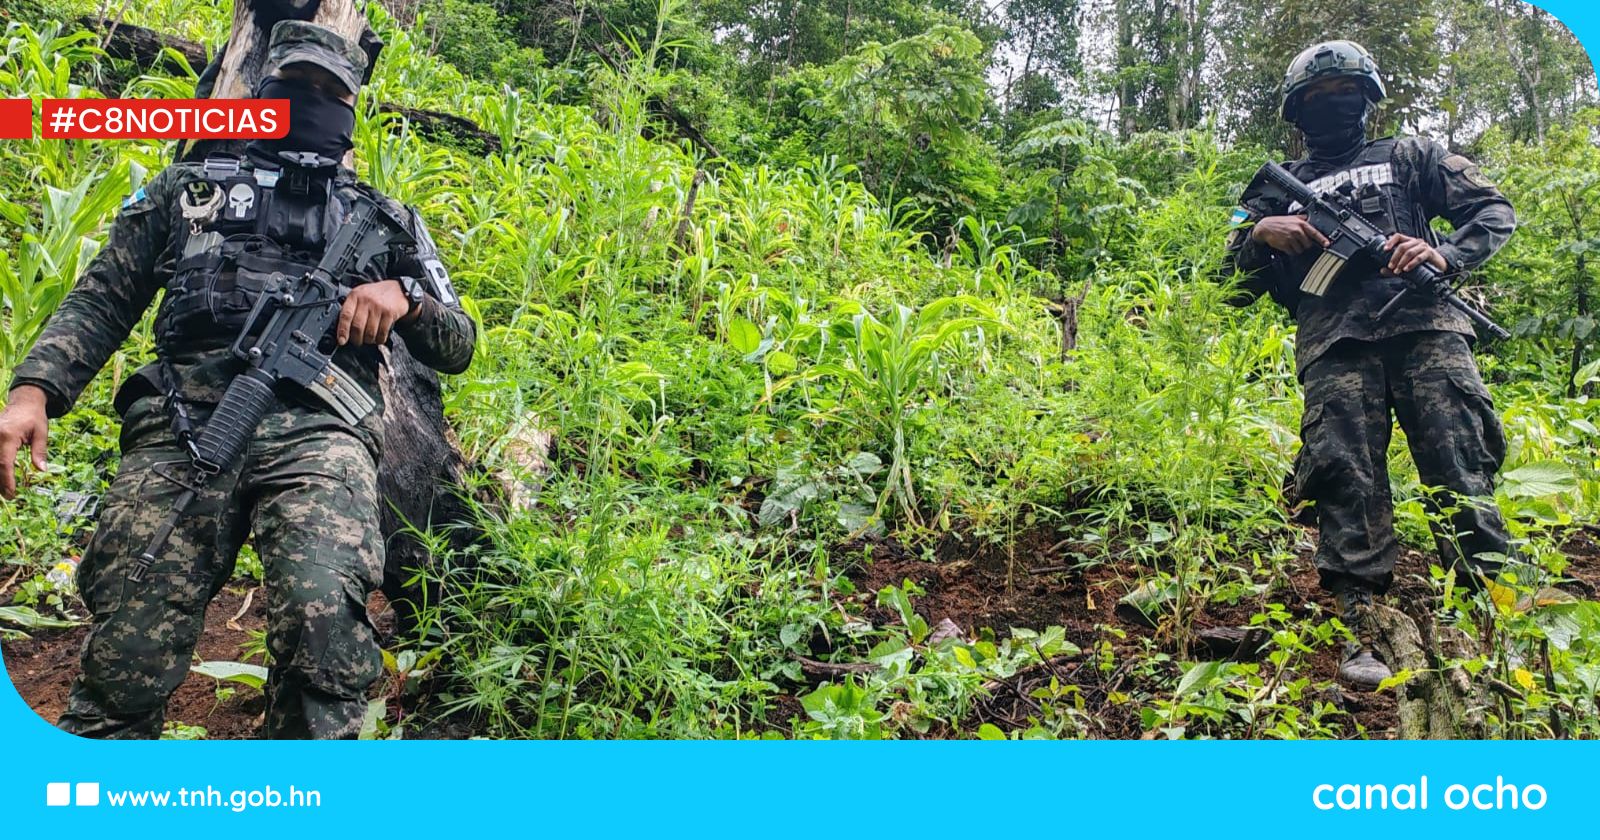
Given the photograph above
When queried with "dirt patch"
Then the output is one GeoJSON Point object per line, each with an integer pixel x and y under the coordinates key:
{"type": "Point", "coordinates": [1582, 549]}
{"type": "Point", "coordinates": [42, 668]}
{"type": "Point", "coordinates": [1035, 584]}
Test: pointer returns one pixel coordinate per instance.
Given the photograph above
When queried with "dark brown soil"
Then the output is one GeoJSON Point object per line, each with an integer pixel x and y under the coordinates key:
{"type": "Point", "coordinates": [42, 667]}
{"type": "Point", "coordinates": [977, 588]}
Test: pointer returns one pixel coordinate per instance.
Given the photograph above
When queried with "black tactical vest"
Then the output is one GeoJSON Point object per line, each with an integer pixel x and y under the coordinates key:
{"type": "Point", "coordinates": [1386, 185]}
{"type": "Point", "coordinates": [238, 230]}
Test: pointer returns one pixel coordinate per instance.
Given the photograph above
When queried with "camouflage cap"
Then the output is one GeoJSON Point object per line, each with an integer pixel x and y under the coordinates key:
{"type": "Point", "coordinates": [297, 41]}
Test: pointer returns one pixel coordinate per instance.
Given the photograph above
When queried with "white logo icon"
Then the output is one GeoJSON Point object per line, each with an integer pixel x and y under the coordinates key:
{"type": "Point", "coordinates": [60, 794]}
{"type": "Point", "coordinates": [240, 198]}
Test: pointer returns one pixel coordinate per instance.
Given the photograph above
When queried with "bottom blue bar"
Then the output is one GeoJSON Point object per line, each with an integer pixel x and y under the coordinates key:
{"type": "Point", "coordinates": [61, 783]}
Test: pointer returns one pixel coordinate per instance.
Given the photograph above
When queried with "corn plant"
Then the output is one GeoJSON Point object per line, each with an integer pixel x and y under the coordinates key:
{"type": "Point", "coordinates": [886, 370]}
{"type": "Point", "coordinates": [50, 253]}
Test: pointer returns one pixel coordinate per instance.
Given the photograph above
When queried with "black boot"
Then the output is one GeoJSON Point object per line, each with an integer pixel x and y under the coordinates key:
{"type": "Point", "coordinates": [1361, 669]}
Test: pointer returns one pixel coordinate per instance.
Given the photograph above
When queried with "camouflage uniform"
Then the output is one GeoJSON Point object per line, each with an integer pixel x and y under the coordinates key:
{"type": "Point", "coordinates": [1416, 364]}
{"type": "Point", "coordinates": [305, 491]}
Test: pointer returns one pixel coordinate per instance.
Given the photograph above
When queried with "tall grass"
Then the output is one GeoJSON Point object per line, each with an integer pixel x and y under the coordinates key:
{"type": "Point", "coordinates": [737, 407]}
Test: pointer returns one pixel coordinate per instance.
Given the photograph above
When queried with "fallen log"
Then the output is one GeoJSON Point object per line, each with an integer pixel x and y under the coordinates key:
{"type": "Point", "coordinates": [421, 480]}
{"type": "Point", "coordinates": [832, 670]}
{"type": "Point", "coordinates": [149, 48]}
{"type": "Point", "coordinates": [1439, 701]}
{"type": "Point", "coordinates": [682, 126]}
{"type": "Point", "coordinates": [445, 128]}
{"type": "Point", "coordinates": [144, 46]}
{"type": "Point", "coordinates": [519, 463]}
{"type": "Point", "coordinates": [1237, 644]}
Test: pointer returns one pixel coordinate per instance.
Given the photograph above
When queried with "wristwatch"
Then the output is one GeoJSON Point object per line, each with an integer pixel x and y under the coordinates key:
{"type": "Point", "coordinates": [414, 294]}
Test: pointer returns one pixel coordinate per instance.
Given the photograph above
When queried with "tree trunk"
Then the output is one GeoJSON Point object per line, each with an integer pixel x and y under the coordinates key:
{"type": "Point", "coordinates": [1440, 701]}
{"type": "Point", "coordinates": [1125, 96]}
{"type": "Point", "coordinates": [422, 467]}
{"type": "Point", "coordinates": [1580, 282]}
{"type": "Point", "coordinates": [844, 39]}
{"type": "Point", "coordinates": [1527, 69]}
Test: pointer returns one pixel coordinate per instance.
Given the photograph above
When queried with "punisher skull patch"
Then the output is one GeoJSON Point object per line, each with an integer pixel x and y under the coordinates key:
{"type": "Point", "coordinates": [241, 200]}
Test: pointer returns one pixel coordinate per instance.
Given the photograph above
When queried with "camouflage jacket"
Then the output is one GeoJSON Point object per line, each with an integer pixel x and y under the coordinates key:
{"type": "Point", "coordinates": [1420, 181]}
{"type": "Point", "coordinates": [138, 260]}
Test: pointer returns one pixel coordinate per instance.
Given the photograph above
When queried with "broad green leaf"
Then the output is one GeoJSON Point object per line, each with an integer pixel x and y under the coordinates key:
{"type": "Point", "coordinates": [1541, 478]}
{"type": "Point", "coordinates": [781, 363]}
{"type": "Point", "coordinates": [376, 709]}
{"type": "Point", "coordinates": [865, 464]}
{"type": "Point", "coordinates": [1564, 624]}
{"type": "Point", "coordinates": [244, 673]}
{"type": "Point", "coordinates": [30, 618]}
{"type": "Point", "coordinates": [1400, 678]}
{"type": "Point", "coordinates": [1201, 676]}
{"type": "Point", "coordinates": [744, 336]}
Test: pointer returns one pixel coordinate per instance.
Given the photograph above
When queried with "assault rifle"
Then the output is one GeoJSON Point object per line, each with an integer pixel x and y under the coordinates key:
{"type": "Point", "coordinates": [281, 342]}
{"type": "Point", "coordinates": [1336, 216]}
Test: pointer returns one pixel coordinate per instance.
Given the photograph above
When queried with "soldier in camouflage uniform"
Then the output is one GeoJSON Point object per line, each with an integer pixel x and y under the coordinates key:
{"type": "Point", "coordinates": [211, 236]}
{"type": "Point", "coordinates": [1416, 364]}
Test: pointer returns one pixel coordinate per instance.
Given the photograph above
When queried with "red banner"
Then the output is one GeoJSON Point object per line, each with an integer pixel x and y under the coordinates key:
{"type": "Point", "coordinates": [165, 119]}
{"type": "Point", "coordinates": [16, 119]}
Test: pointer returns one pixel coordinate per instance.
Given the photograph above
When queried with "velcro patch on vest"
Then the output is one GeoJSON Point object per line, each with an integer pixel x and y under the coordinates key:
{"type": "Point", "coordinates": [1461, 165]}
{"type": "Point", "coordinates": [1376, 174]}
{"type": "Point", "coordinates": [199, 203]}
{"type": "Point", "coordinates": [138, 196]}
{"type": "Point", "coordinates": [240, 199]}
{"type": "Point", "coordinates": [1236, 222]}
{"type": "Point", "coordinates": [440, 280]}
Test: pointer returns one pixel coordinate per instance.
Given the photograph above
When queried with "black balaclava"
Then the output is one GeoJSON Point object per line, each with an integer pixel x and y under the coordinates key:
{"type": "Point", "coordinates": [1335, 125]}
{"type": "Point", "coordinates": [318, 122]}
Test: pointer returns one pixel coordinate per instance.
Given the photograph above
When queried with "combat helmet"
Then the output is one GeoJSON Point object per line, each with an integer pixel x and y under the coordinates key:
{"type": "Point", "coordinates": [1326, 60]}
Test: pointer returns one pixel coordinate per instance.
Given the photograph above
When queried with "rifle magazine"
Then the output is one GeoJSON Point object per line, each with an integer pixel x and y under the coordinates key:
{"type": "Point", "coordinates": [1322, 274]}
{"type": "Point", "coordinates": [342, 394]}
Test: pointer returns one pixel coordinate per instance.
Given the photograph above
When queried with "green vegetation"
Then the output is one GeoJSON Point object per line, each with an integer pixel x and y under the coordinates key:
{"type": "Point", "coordinates": [910, 333]}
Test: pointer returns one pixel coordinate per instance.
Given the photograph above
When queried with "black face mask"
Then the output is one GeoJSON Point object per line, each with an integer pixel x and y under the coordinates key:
{"type": "Point", "coordinates": [318, 123]}
{"type": "Point", "coordinates": [1335, 123]}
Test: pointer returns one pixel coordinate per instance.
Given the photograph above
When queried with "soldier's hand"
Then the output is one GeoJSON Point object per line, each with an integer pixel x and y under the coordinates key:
{"type": "Point", "coordinates": [23, 423]}
{"type": "Point", "coordinates": [1408, 252]}
{"type": "Point", "coordinates": [1289, 234]}
{"type": "Point", "coordinates": [370, 311]}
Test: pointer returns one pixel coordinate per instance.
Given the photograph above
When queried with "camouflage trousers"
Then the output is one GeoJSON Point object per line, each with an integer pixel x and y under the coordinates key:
{"type": "Point", "coordinates": [307, 492]}
{"type": "Point", "coordinates": [1429, 382]}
